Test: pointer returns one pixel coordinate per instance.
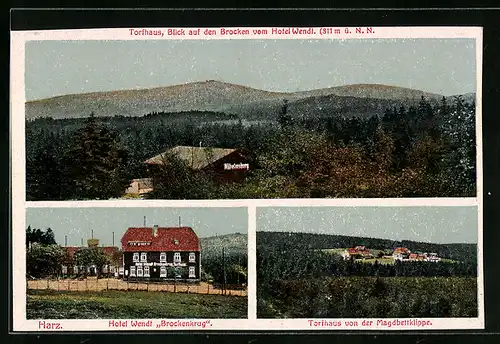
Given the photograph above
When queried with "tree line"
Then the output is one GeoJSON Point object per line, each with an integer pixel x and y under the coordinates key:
{"type": "Point", "coordinates": [297, 264]}
{"type": "Point", "coordinates": [307, 283]}
{"type": "Point", "coordinates": [369, 297]}
{"type": "Point", "coordinates": [286, 241]}
{"type": "Point", "coordinates": [419, 151]}
{"type": "Point", "coordinates": [45, 258]}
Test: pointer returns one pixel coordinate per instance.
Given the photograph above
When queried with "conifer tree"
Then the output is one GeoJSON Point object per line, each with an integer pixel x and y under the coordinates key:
{"type": "Point", "coordinates": [95, 163]}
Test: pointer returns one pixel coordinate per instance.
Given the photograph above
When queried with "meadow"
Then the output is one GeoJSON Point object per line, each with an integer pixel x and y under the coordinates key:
{"type": "Point", "coordinates": [51, 304]}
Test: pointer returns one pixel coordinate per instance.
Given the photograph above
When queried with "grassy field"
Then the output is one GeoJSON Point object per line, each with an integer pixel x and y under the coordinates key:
{"type": "Point", "coordinates": [333, 250]}
{"type": "Point", "coordinates": [384, 260]}
{"type": "Point", "coordinates": [51, 304]}
{"type": "Point", "coordinates": [379, 260]}
{"type": "Point", "coordinates": [339, 251]}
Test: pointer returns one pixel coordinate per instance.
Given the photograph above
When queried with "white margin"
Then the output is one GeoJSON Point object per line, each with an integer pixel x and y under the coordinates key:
{"type": "Point", "coordinates": [19, 205]}
{"type": "Point", "coordinates": [252, 264]}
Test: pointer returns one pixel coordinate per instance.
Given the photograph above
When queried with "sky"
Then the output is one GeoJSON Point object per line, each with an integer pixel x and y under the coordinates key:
{"type": "Point", "coordinates": [78, 223]}
{"type": "Point", "coordinates": [441, 225]}
{"type": "Point", "coordinates": [443, 66]}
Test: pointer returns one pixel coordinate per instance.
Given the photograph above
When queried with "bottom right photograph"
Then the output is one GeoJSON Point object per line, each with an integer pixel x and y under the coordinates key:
{"type": "Point", "coordinates": [367, 262]}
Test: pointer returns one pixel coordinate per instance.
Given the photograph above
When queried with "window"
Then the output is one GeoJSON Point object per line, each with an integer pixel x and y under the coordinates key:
{"type": "Point", "coordinates": [104, 269]}
{"type": "Point", "coordinates": [163, 271]}
{"type": "Point", "coordinates": [112, 269]}
{"type": "Point", "coordinates": [75, 269]}
{"type": "Point", "coordinates": [132, 271]}
{"type": "Point", "coordinates": [177, 257]}
{"type": "Point", "coordinates": [163, 257]}
{"type": "Point", "coordinates": [192, 257]}
{"type": "Point", "coordinates": [144, 257]}
{"type": "Point", "coordinates": [64, 269]}
{"type": "Point", "coordinates": [192, 272]}
{"type": "Point", "coordinates": [146, 271]}
{"type": "Point", "coordinates": [139, 271]}
{"type": "Point", "coordinates": [135, 257]}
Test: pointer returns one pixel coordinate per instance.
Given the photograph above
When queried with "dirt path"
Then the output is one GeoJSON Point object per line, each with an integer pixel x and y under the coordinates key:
{"type": "Point", "coordinates": [116, 284]}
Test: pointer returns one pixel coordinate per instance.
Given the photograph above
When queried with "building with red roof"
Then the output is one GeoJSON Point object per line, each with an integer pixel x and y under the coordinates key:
{"type": "Point", "coordinates": [401, 253]}
{"type": "Point", "coordinates": [358, 252]}
{"type": "Point", "coordinates": [161, 253]}
{"type": "Point", "coordinates": [112, 252]}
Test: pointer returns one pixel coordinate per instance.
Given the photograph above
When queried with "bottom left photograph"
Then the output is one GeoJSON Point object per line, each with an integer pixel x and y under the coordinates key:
{"type": "Point", "coordinates": [136, 263]}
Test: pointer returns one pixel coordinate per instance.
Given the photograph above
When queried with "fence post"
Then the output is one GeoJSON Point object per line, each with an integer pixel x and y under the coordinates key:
{"type": "Point", "coordinates": [48, 284]}
{"type": "Point", "coordinates": [107, 286]}
{"type": "Point", "coordinates": [208, 288]}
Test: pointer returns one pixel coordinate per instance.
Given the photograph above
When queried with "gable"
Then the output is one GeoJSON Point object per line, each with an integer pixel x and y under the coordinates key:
{"type": "Point", "coordinates": [141, 239]}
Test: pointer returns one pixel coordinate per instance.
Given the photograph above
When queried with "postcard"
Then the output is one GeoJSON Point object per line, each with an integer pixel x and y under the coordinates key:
{"type": "Point", "coordinates": [262, 178]}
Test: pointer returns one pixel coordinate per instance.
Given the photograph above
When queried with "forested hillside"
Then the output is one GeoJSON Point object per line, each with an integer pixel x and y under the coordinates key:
{"type": "Point", "coordinates": [426, 150]}
{"type": "Point", "coordinates": [297, 280]}
{"type": "Point", "coordinates": [270, 242]}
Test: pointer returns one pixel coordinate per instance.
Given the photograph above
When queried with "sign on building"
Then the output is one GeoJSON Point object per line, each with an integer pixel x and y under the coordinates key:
{"type": "Point", "coordinates": [240, 166]}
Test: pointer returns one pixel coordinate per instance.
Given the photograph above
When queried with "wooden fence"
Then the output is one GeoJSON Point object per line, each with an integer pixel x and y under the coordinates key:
{"type": "Point", "coordinates": [95, 284]}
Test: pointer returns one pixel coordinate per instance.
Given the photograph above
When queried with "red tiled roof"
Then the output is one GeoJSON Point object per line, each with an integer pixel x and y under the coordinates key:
{"type": "Point", "coordinates": [167, 239]}
{"type": "Point", "coordinates": [359, 250]}
{"type": "Point", "coordinates": [71, 250]}
{"type": "Point", "coordinates": [108, 250]}
{"type": "Point", "coordinates": [400, 250]}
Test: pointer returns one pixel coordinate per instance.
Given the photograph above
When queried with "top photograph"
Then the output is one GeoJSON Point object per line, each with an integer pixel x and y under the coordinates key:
{"type": "Point", "coordinates": [250, 118]}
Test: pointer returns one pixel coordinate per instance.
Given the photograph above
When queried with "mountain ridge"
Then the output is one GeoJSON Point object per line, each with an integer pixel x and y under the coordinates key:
{"type": "Point", "coordinates": [217, 96]}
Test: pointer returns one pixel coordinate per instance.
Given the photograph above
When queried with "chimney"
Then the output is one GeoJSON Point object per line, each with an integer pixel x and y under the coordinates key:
{"type": "Point", "coordinates": [155, 230]}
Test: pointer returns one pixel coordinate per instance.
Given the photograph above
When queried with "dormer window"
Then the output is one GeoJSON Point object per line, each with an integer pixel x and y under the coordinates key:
{"type": "Point", "coordinates": [163, 257]}
{"type": "Point", "coordinates": [144, 257]}
{"type": "Point", "coordinates": [176, 242]}
{"type": "Point", "coordinates": [135, 257]}
{"type": "Point", "coordinates": [177, 257]}
{"type": "Point", "coordinates": [192, 257]}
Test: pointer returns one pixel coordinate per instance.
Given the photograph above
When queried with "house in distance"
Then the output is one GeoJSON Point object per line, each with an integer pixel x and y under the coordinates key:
{"type": "Point", "coordinates": [404, 254]}
{"type": "Point", "coordinates": [140, 186]}
{"type": "Point", "coordinates": [161, 254]}
{"type": "Point", "coordinates": [71, 267]}
{"type": "Point", "coordinates": [358, 252]}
